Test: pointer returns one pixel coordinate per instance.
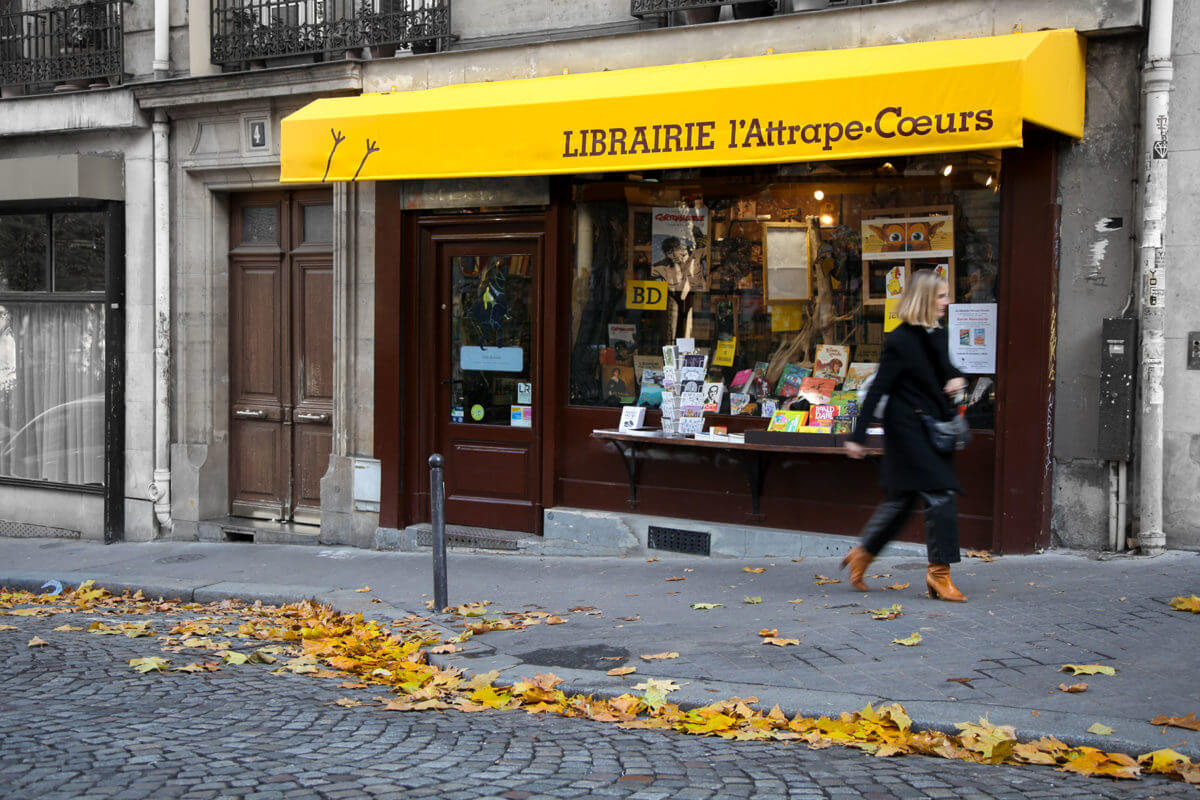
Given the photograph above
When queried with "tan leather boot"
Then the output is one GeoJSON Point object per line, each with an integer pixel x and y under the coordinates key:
{"type": "Point", "coordinates": [937, 578]}
{"type": "Point", "coordinates": [857, 559]}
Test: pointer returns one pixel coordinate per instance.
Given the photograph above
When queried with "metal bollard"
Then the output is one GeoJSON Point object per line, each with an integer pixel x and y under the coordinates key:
{"type": "Point", "coordinates": [437, 515]}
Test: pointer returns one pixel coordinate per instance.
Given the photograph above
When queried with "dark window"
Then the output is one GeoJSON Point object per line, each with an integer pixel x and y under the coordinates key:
{"type": "Point", "coordinates": [24, 245]}
{"type": "Point", "coordinates": [79, 251]}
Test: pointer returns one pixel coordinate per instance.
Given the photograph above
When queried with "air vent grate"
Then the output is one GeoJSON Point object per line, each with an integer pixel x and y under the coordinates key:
{"type": "Point", "coordinates": [468, 540]}
{"type": "Point", "coordinates": [27, 530]}
{"type": "Point", "coordinates": [675, 540]}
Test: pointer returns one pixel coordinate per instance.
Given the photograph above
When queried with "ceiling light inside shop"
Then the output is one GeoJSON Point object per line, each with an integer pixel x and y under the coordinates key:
{"type": "Point", "coordinates": [989, 181]}
{"type": "Point", "coordinates": [946, 170]}
{"type": "Point", "coordinates": [826, 219]}
{"type": "Point", "coordinates": [818, 194]}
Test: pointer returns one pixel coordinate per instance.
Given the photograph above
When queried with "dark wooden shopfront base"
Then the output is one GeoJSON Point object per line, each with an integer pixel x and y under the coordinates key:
{"type": "Point", "coordinates": [1006, 475]}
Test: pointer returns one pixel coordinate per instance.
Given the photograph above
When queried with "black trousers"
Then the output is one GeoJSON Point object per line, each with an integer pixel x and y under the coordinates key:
{"type": "Point", "coordinates": [941, 523]}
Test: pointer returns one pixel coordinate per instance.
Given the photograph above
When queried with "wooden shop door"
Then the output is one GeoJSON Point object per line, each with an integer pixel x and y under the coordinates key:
{"type": "Point", "coordinates": [484, 371]}
{"type": "Point", "coordinates": [280, 353]}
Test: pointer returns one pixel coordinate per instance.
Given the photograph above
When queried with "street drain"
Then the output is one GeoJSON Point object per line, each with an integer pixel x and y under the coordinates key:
{"type": "Point", "coordinates": [592, 656]}
{"type": "Point", "coordinates": [181, 558]}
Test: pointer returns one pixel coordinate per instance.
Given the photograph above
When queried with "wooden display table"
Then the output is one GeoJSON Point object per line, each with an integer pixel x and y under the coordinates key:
{"type": "Point", "coordinates": [755, 456]}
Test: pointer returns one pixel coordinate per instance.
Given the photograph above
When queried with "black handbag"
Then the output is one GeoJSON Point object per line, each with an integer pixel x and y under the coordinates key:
{"type": "Point", "coordinates": [948, 436]}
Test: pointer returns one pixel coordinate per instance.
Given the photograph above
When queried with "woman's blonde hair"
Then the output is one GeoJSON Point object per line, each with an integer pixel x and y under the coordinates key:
{"type": "Point", "coordinates": [918, 304]}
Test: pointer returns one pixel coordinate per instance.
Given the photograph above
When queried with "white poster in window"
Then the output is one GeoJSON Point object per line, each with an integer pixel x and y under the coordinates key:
{"type": "Point", "coordinates": [972, 331]}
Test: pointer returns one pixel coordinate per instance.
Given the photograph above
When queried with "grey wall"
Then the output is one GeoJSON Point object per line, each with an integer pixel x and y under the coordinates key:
{"type": "Point", "coordinates": [1181, 412]}
{"type": "Point", "coordinates": [1095, 190]}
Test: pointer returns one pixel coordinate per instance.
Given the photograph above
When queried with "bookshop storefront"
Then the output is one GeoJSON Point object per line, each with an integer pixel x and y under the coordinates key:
{"type": "Point", "coordinates": [712, 267]}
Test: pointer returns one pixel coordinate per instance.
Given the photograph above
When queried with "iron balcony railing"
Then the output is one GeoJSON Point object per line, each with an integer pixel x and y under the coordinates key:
{"type": "Point", "coordinates": [254, 30]}
{"type": "Point", "coordinates": [750, 8]}
{"type": "Point", "coordinates": [78, 43]}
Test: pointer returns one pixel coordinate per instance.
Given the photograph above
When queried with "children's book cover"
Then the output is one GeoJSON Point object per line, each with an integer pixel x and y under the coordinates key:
{"type": "Point", "coordinates": [740, 381]}
{"type": "Point", "coordinates": [652, 389]}
{"type": "Point", "coordinates": [788, 421]}
{"type": "Point", "coordinates": [619, 384]}
{"type": "Point", "coordinates": [759, 387]}
{"type": "Point", "coordinates": [822, 415]}
{"type": "Point", "coordinates": [817, 390]}
{"type": "Point", "coordinates": [858, 373]}
{"type": "Point", "coordinates": [831, 361]}
{"type": "Point", "coordinates": [790, 378]}
{"type": "Point", "coordinates": [739, 403]}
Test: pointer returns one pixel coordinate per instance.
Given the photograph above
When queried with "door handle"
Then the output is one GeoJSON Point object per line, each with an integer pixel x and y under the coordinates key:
{"type": "Point", "coordinates": [241, 412]}
{"type": "Point", "coordinates": [304, 417]}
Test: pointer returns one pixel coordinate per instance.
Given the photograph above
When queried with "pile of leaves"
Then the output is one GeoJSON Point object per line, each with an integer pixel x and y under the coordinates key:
{"type": "Point", "coordinates": [312, 639]}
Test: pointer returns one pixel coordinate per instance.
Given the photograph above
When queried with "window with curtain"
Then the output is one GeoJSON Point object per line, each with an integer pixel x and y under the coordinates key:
{"type": "Point", "coordinates": [52, 369]}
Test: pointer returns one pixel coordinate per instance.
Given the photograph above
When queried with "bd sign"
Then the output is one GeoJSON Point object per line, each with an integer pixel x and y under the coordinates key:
{"type": "Point", "coordinates": [646, 295]}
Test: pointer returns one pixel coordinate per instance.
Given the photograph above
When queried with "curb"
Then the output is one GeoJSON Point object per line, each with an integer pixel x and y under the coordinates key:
{"type": "Point", "coordinates": [927, 715]}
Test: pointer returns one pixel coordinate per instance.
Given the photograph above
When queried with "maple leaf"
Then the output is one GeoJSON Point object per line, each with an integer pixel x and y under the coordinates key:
{"type": "Point", "coordinates": [676, 578]}
{"type": "Point", "coordinates": [982, 555]}
{"type": "Point", "coordinates": [149, 664]}
{"type": "Point", "coordinates": [909, 641]}
{"type": "Point", "coordinates": [619, 671]}
{"type": "Point", "coordinates": [1190, 722]}
{"type": "Point", "coordinates": [194, 667]}
{"type": "Point", "coordinates": [990, 743]}
{"type": "Point", "coordinates": [659, 656]}
{"type": "Point", "coordinates": [821, 580]}
{"type": "Point", "coordinates": [754, 570]}
{"type": "Point", "coordinates": [706, 606]}
{"type": "Point", "coordinates": [1090, 761]}
{"type": "Point", "coordinates": [234, 657]}
{"type": "Point", "coordinates": [1191, 604]}
{"type": "Point", "coordinates": [1074, 688]}
{"type": "Point", "coordinates": [444, 649]}
{"type": "Point", "coordinates": [896, 587]}
{"type": "Point", "coordinates": [1032, 754]}
{"type": "Point", "coordinates": [778, 642]}
{"type": "Point", "coordinates": [1099, 729]}
{"type": "Point", "coordinates": [554, 620]}
{"type": "Point", "coordinates": [37, 642]}
{"type": "Point", "coordinates": [471, 609]}
{"type": "Point", "coordinates": [654, 692]}
{"type": "Point", "coordinates": [768, 632]}
{"type": "Point", "coordinates": [1087, 669]}
{"type": "Point", "coordinates": [363, 589]}
{"type": "Point", "coordinates": [753, 601]}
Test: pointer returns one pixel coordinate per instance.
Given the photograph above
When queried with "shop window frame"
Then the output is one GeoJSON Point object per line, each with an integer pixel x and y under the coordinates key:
{"type": "Point", "coordinates": [112, 298]}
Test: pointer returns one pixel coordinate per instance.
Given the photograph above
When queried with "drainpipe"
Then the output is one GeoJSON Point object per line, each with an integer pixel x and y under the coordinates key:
{"type": "Point", "coordinates": [1156, 88]}
{"type": "Point", "coordinates": [162, 38]}
{"type": "Point", "coordinates": [160, 488]}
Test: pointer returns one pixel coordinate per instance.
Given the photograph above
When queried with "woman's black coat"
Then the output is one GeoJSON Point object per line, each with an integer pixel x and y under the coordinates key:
{"type": "Point", "coordinates": [913, 370]}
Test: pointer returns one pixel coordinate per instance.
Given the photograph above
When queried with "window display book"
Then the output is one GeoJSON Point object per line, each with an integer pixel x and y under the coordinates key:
{"type": "Point", "coordinates": [817, 390]}
{"type": "Point", "coordinates": [858, 373]}
{"type": "Point", "coordinates": [831, 361]}
{"type": "Point", "coordinates": [789, 380]}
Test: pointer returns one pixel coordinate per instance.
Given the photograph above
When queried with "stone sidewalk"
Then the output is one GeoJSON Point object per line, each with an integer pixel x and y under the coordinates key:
{"type": "Point", "coordinates": [997, 655]}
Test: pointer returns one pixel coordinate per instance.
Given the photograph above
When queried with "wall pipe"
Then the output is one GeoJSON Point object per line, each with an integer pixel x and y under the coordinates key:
{"type": "Point", "coordinates": [162, 38]}
{"type": "Point", "coordinates": [160, 487]}
{"type": "Point", "coordinates": [1157, 74]}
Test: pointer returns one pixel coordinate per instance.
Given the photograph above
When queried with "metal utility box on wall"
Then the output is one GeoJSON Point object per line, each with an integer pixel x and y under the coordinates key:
{"type": "Point", "coordinates": [1118, 361]}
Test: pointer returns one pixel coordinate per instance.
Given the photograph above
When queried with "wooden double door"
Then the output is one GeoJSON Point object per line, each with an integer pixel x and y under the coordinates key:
{"type": "Point", "coordinates": [280, 353]}
{"type": "Point", "coordinates": [477, 348]}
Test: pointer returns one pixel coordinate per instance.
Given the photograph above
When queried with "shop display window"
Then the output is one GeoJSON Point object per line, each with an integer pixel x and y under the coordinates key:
{"type": "Point", "coordinates": [783, 277]}
{"type": "Point", "coordinates": [52, 347]}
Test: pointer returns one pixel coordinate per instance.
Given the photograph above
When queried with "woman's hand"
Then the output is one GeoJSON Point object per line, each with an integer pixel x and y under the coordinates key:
{"type": "Point", "coordinates": [954, 386]}
{"type": "Point", "coordinates": [854, 450]}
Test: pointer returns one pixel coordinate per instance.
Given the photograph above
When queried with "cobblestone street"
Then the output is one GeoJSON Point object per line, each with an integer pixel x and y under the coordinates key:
{"type": "Point", "coordinates": [79, 722]}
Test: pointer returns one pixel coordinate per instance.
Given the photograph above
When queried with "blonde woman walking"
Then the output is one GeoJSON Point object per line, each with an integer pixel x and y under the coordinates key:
{"type": "Point", "coordinates": [917, 377]}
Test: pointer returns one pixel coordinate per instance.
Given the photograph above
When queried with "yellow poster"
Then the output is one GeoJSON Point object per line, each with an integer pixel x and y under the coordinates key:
{"type": "Point", "coordinates": [725, 351]}
{"type": "Point", "coordinates": [929, 236]}
{"type": "Point", "coordinates": [890, 320]}
{"type": "Point", "coordinates": [646, 295]}
{"type": "Point", "coordinates": [786, 317]}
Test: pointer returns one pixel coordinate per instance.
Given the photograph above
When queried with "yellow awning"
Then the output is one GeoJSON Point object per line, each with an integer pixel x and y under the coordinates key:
{"type": "Point", "coordinates": [927, 97]}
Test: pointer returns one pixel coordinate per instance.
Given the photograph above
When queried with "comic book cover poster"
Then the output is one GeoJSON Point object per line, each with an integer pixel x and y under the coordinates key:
{"type": "Point", "coordinates": [679, 247]}
{"type": "Point", "coordinates": [930, 236]}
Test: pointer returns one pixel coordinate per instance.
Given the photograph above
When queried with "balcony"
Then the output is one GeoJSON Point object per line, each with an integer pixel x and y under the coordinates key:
{"type": "Point", "coordinates": [67, 45]}
{"type": "Point", "coordinates": [246, 33]}
{"type": "Point", "coordinates": [691, 12]}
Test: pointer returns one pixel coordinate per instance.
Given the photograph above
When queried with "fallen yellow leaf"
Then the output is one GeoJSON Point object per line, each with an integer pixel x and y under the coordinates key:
{"type": "Point", "coordinates": [444, 649]}
{"type": "Point", "coordinates": [751, 600]}
{"type": "Point", "coordinates": [769, 632]}
{"type": "Point", "coordinates": [345, 702]}
{"type": "Point", "coordinates": [909, 641]}
{"type": "Point", "coordinates": [797, 600]}
{"type": "Point", "coordinates": [554, 620]}
{"type": "Point", "coordinates": [659, 656]}
{"type": "Point", "coordinates": [363, 589]}
{"type": "Point", "coordinates": [1074, 688]}
{"type": "Point", "coordinates": [778, 642]}
{"type": "Point", "coordinates": [705, 606]}
{"type": "Point", "coordinates": [755, 570]}
{"type": "Point", "coordinates": [619, 671]}
{"type": "Point", "coordinates": [149, 664]}
{"type": "Point", "coordinates": [821, 580]}
{"type": "Point", "coordinates": [1087, 669]}
{"type": "Point", "coordinates": [67, 627]}
{"type": "Point", "coordinates": [37, 642]}
{"type": "Point", "coordinates": [676, 578]}
{"type": "Point", "coordinates": [1191, 604]}
{"type": "Point", "coordinates": [896, 587]}
{"type": "Point", "coordinates": [1099, 729]}
{"type": "Point", "coordinates": [14, 627]}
